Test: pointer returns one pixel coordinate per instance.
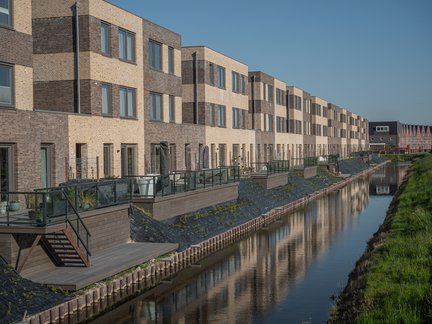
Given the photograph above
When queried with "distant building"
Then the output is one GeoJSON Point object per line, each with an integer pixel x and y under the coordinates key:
{"type": "Point", "coordinates": [394, 136]}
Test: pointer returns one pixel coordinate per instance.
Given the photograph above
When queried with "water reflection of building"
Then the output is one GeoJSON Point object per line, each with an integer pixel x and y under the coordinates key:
{"type": "Point", "coordinates": [256, 274]}
{"type": "Point", "coordinates": [387, 180]}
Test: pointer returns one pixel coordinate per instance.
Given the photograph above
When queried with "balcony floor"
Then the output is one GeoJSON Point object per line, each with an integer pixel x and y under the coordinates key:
{"type": "Point", "coordinates": [104, 264]}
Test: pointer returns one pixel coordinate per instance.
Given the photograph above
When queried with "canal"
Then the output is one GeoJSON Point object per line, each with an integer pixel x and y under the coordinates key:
{"type": "Point", "coordinates": [287, 273]}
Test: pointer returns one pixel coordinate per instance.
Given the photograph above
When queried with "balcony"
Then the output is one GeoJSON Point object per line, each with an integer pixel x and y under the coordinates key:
{"type": "Point", "coordinates": [271, 174]}
{"type": "Point", "coordinates": [165, 196]}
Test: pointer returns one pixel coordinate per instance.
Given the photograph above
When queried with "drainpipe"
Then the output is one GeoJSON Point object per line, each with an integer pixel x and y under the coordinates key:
{"type": "Point", "coordinates": [253, 100]}
{"type": "Point", "coordinates": [195, 81]}
{"type": "Point", "coordinates": [77, 60]}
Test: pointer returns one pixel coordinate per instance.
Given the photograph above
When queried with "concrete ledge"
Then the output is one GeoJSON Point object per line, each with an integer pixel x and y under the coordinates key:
{"type": "Point", "coordinates": [310, 172]}
{"type": "Point", "coordinates": [271, 181]}
{"type": "Point", "coordinates": [186, 202]}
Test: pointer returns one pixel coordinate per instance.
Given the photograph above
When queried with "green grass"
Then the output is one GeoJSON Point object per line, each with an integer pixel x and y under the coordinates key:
{"type": "Point", "coordinates": [404, 157]}
{"type": "Point", "coordinates": [399, 284]}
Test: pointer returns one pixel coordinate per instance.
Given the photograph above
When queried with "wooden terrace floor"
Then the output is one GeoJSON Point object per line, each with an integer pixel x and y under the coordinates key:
{"type": "Point", "coordinates": [103, 265]}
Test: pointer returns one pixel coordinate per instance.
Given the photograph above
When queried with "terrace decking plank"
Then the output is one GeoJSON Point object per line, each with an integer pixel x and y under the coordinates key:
{"type": "Point", "coordinates": [105, 264]}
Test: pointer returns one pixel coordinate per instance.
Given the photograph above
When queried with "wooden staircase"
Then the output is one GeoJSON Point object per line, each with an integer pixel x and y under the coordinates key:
{"type": "Point", "coordinates": [65, 250]}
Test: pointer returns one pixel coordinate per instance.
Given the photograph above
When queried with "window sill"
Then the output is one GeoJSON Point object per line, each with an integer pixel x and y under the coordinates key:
{"type": "Point", "coordinates": [126, 61]}
{"type": "Point", "coordinates": [3, 107]}
{"type": "Point", "coordinates": [107, 55]}
{"type": "Point", "coordinates": [128, 118]}
{"type": "Point", "coordinates": [107, 116]}
{"type": "Point", "coordinates": [7, 27]}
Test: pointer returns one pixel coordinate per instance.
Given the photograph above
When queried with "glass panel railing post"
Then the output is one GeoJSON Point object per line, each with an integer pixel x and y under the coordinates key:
{"type": "Point", "coordinates": [44, 206]}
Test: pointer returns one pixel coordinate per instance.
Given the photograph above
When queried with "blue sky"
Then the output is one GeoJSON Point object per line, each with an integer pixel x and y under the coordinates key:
{"type": "Point", "coordinates": [373, 57]}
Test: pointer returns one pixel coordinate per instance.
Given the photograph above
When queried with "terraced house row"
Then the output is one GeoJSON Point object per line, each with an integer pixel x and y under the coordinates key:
{"type": "Point", "coordinates": [90, 90]}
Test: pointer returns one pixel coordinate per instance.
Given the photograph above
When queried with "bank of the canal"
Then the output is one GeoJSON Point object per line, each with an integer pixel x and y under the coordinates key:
{"type": "Point", "coordinates": [392, 281]}
{"type": "Point", "coordinates": [211, 229]}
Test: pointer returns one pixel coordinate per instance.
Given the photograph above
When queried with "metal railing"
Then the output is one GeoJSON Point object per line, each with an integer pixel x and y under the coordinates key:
{"type": "Point", "coordinates": [24, 209]}
{"type": "Point", "coordinates": [85, 196]}
{"type": "Point", "coordinates": [306, 162]}
{"type": "Point", "coordinates": [151, 186]}
{"type": "Point", "coordinates": [272, 167]}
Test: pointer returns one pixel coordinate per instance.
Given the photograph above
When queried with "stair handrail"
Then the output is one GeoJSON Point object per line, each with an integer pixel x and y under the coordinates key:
{"type": "Point", "coordinates": [80, 222]}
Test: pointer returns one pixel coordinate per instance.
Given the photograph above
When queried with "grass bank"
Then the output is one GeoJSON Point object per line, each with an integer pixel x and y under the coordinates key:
{"type": "Point", "coordinates": [392, 282]}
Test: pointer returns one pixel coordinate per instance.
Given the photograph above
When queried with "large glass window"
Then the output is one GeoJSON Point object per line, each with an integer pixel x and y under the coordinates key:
{"type": "Point", "coordinates": [45, 158]}
{"type": "Point", "coordinates": [106, 99]}
{"type": "Point", "coordinates": [170, 60]}
{"type": "Point", "coordinates": [5, 13]}
{"type": "Point", "coordinates": [127, 102]}
{"type": "Point", "coordinates": [156, 106]}
{"type": "Point", "coordinates": [243, 84]}
{"type": "Point", "coordinates": [6, 97]}
{"type": "Point", "coordinates": [105, 38]}
{"type": "Point", "coordinates": [128, 159]}
{"type": "Point", "coordinates": [5, 170]}
{"type": "Point", "coordinates": [236, 118]}
{"type": "Point", "coordinates": [221, 116]}
{"type": "Point", "coordinates": [220, 77]}
{"type": "Point", "coordinates": [155, 55]}
{"type": "Point", "coordinates": [126, 45]}
{"type": "Point", "coordinates": [171, 109]}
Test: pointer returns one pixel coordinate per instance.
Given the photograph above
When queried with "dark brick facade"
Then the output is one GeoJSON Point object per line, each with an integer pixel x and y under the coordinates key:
{"type": "Point", "coordinates": [15, 47]}
{"type": "Point", "coordinates": [26, 131]}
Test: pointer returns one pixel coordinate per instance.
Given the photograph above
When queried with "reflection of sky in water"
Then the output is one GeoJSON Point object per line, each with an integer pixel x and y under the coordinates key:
{"type": "Point", "coordinates": [284, 274]}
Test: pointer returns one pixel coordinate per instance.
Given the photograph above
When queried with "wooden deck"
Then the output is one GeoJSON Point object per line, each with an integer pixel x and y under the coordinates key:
{"type": "Point", "coordinates": [103, 265]}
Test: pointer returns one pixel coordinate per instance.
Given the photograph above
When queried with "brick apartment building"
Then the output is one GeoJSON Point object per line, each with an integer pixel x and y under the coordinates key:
{"type": "Point", "coordinates": [93, 91]}
{"type": "Point", "coordinates": [395, 136]}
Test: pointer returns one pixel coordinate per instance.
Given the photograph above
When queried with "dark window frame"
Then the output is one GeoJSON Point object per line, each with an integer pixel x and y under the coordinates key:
{"type": "Point", "coordinates": [171, 58]}
{"type": "Point", "coordinates": [10, 105]}
{"type": "Point", "coordinates": [221, 77]}
{"type": "Point", "coordinates": [152, 55]}
{"type": "Point", "coordinates": [108, 38]}
{"type": "Point", "coordinates": [134, 110]}
{"type": "Point", "coordinates": [153, 107]}
{"type": "Point", "coordinates": [110, 110]}
{"type": "Point", "coordinates": [171, 108]}
{"type": "Point", "coordinates": [126, 33]}
{"type": "Point", "coordinates": [10, 15]}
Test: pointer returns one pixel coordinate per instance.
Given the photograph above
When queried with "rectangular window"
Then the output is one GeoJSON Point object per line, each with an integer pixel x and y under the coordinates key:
{"type": "Point", "coordinates": [155, 158]}
{"type": "Point", "coordinates": [5, 13]}
{"type": "Point", "coordinates": [6, 90]}
{"type": "Point", "coordinates": [171, 109]}
{"type": "Point", "coordinates": [107, 160]}
{"type": "Point", "coordinates": [128, 160]}
{"type": "Point", "coordinates": [221, 151]}
{"type": "Point", "coordinates": [211, 74]}
{"type": "Point", "coordinates": [6, 171]}
{"type": "Point", "coordinates": [221, 116]}
{"type": "Point", "coordinates": [243, 122]}
{"type": "Point", "coordinates": [46, 171]}
{"type": "Point", "coordinates": [235, 82]}
{"type": "Point", "coordinates": [171, 60]}
{"type": "Point", "coordinates": [279, 97]}
{"type": "Point", "coordinates": [235, 118]}
{"type": "Point", "coordinates": [269, 93]}
{"type": "Point", "coordinates": [155, 55]}
{"type": "Point", "coordinates": [126, 44]}
{"type": "Point", "coordinates": [243, 84]}
{"type": "Point", "coordinates": [270, 122]}
{"type": "Point", "coordinates": [212, 115]}
{"type": "Point", "coordinates": [127, 102]}
{"type": "Point", "coordinates": [156, 106]}
{"type": "Point", "coordinates": [106, 99]}
{"type": "Point", "coordinates": [220, 77]}
{"type": "Point", "coordinates": [105, 38]}
{"type": "Point", "coordinates": [173, 158]}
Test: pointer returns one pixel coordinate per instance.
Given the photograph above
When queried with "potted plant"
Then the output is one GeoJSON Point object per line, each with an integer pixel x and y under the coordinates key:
{"type": "Point", "coordinates": [3, 205]}
{"type": "Point", "coordinates": [87, 200]}
{"type": "Point", "coordinates": [14, 205]}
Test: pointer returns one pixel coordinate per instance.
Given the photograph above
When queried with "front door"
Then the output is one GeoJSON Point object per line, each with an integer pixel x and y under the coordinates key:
{"type": "Point", "coordinates": [5, 170]}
